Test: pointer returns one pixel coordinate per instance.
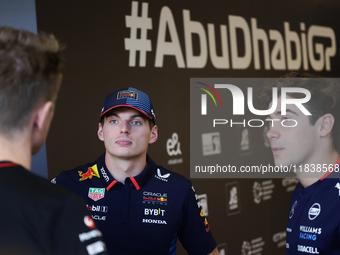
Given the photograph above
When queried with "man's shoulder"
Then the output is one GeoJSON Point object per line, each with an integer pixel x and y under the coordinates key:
{"type": "Point", "coordinates": [331, 186]}
{"type": "Point", "coordinates": [82, 171]}
{"type": "Point", "coordinates": [26, 186]}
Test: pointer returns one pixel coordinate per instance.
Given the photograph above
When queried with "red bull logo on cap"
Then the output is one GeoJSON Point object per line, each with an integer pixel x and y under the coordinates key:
{"type": "Point", "coordinates": [92, 171]}
{"type": "Point", "coordinates": [127, 94]}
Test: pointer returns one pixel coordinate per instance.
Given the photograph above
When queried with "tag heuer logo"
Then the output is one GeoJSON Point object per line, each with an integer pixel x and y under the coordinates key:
{"type": "Point", "coordinates": [96, 193]}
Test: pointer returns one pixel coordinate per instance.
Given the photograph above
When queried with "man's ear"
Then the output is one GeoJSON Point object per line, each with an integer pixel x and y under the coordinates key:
{"type": "Point", "coordinates": [154, 134]}
{"type": "Point", "coordinates": [43, 116]}
{"type": "Point", "coordinates": [326, 124]}
{"type": "Point", "coordinates": [100, 132]}
{"type": "Point", "coordinates": [40, 124]}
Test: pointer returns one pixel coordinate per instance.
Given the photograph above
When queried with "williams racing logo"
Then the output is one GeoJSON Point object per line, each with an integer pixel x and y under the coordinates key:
{"type": "Point", "coordinates": [155, 198]}
{"type": "Point", "coordinates": [92, 171]}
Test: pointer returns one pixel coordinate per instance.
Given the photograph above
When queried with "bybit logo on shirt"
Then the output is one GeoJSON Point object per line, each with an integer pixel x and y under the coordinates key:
{"type": "Point", "coordinates": [154, 212]}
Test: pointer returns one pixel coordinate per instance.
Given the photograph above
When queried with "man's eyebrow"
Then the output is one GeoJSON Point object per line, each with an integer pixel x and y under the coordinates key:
{"type": "Point", "coordinates": [288, 110]}
{"type": "Point", "coordinates": [131, 117]}
{"type": "Point", "coordinates": [137, 115]}
{"type": "Point", "coordinates": [110, 114]}
{"type": "Point", "coordinates": [279, 113]}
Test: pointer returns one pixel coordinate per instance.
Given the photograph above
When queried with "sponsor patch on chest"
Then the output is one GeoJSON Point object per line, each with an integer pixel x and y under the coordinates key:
{"type": "Point", "coordinates": [96, 193]}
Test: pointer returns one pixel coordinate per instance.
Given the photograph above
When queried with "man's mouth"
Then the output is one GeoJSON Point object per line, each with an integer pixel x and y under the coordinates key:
{"type": "Point", "coordinates": [277, 150]}
{"type": "Point", "coordinates": [123, 142]}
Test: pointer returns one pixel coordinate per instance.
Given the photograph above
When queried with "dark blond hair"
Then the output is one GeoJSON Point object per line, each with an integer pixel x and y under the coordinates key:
{"type": "Point", "coordinates": [325, 97]}
{"type": "Point", "coordinates": [29, 74]}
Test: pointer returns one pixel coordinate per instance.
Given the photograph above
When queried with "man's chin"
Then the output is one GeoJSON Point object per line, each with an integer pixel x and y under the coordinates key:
{"type": "Point", "coordinates": [279, 162]}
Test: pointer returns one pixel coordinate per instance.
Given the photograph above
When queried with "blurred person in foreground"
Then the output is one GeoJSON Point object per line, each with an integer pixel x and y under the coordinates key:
{"type": "Point", "coordinates": [36, 217]}
{"type": "Point", "coordinates": [310, 144]}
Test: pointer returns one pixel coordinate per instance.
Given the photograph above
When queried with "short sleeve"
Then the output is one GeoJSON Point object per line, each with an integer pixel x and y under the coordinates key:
{"type": "Point", "coordinates": [195, 234]}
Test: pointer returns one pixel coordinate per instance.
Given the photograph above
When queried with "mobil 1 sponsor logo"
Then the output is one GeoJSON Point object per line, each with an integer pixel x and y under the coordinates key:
{"type": "Point", "coordinates": [98, 208]}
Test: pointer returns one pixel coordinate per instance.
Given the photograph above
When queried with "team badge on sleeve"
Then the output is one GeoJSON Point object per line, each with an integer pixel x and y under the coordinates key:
{"type": "Point", "coordinates": [91, 171]}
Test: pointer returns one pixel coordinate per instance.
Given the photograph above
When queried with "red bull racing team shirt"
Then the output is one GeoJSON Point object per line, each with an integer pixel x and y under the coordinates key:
{"type": "Point", "coordinates": [145, 215]}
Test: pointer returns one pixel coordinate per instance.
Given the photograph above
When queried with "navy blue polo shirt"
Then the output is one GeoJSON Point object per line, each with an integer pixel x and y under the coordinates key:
{"type": "Point", "coordinates": [314, 219]}
{"type": "Point", "coordinates": [145, 215]}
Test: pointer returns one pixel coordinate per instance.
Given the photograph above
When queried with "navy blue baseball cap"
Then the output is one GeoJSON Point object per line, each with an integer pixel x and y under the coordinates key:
{"type": "Point", "coordinates": [129, 97]}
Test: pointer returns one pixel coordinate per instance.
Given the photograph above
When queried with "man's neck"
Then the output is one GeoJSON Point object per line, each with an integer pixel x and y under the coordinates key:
{"type": "Point", "coordinates": [16, 150]}
{"type": "Point", "coordinates": [324, 164]}
{"type": "Point", "coordinates": [122, 168]}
